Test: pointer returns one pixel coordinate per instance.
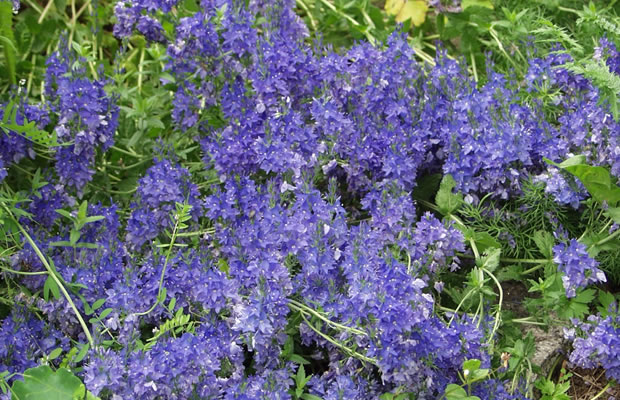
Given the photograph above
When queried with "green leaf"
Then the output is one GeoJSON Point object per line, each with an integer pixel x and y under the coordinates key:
{"type": "Point", "coordinates": [173, 302]}
{"type": "Point", "coordinates": [447, 201]}
{"type": "Point", "coordinates": [471, 365]}
{"type": "Point", "coordinates": [97, 304]}
{"type": "Point", "coordinates": [43, 383]}
{"type": "Point", "coordinates": [455, 392]}
{"type": "Point", "coordinates": [64, 213]}
{"type": "Point", "coordinates": [465, 4]}
{"type": "Point", "coordinates": [614, 214]}
{"type": "Point", "coordinates": [301, 376]}
{"type": "Point", "coordinates": [94, 218]}
{"type": "Point", "coordinates": [544, 241]}
{"type": "Point", "coordinates": [50, 286]}
{"type": "Point", "coordinates": [83, 351]}
{"type": "Point", "coordinates": [483, 241]}
{"type": "Point", "coordinates": [54, 354]}
{"type": "Point", "coordinates": [597, 180]}
{"type": "Point", "coordinates": [82, 210]}
{"type": "Point", "coordinates": [74, 236]}
{"type": "Point", "coordinates": [296, 358]}
{"type": "Point", "coordinates": [308, 396]}
{"type": "Point", "coordinates": [490, 259]}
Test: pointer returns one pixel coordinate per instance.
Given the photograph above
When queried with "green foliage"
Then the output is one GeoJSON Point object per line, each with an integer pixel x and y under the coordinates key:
{"type": "Point", "coordinates": [181, 323]}
{"type": "Point", "coordinates": [79, 221]}
{"type": "Point", "coordinates": [597, 180]}
{"type": "Point", "coordinates": [447, 201]}
{"type": "Point", "coordinates": [27, 129]}
{"type": "Point", "coordinates": [7, 39]}
{"type": "Point", "coordinates": [471, 374]}
{"type": "Point", "coordinates": [44, 383]}
{"type": "Point", "coordinates": [554, 391]}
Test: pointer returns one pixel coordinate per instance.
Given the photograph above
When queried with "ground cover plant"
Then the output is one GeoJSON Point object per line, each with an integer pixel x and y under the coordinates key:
{"type": "Point", "coordinates": [235, 199]}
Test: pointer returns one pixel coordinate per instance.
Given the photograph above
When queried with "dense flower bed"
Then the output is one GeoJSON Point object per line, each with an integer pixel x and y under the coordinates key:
{"type": "Point", "coordinates": [308, 243]}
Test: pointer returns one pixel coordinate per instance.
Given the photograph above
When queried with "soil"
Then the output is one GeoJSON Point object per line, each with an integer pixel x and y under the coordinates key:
{"type": "Point", "coordinates": [585, 384]}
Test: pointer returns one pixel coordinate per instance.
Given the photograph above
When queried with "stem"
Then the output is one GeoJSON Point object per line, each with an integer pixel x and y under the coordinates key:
{"type": "Point", "coordinates": [76, 15]}
{"type": "Point", "coordinates": [163, 271]}
{"type": "Point", "coordinates": [473, 66]}
{"type": "Point", "coordinates": [530, 270]}
{"type": "Point", "coordinates": [459, 306]}
{"type": "Point", "coordinates": [124, 168]}
{"type": "Point", "coordinates": [513, 260]}
{"type": "Point", "coordinates": [45, 11]}
{"type": "Point", "coordinates": [474, 248]}
{"type": "Point", "coordinates": [608, 238]}
{"type": "Point", "coordinates": [52, 273]}
{"type": "Point", "coordinates": [602, 392]}
{"type": "Point", "coordinates": [526, 321]}
{"type": "Point", "coordinates": [127, 152]}
{"type": "Point", "coordinates": [304, 308]}
{"type": "Point", "coordinates": [340, 345]}
{"type": "Point", "coordinates": [303, 5]}
{"type": "Point", "coordinates": [22, 272]}
{"type": "Point", "coordinates": [34, 64]}
{"type": "Point", "coordinates": [34, 6]}
{"type": "Point", "coordinates": [210, 231]}
{"type": "Point", "coordinates": [499, 306]}
{"type": "Point", "coordinates": [140, 68]}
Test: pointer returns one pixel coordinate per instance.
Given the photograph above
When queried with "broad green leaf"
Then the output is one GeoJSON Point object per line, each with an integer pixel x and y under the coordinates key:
{"type": "Point", "coordinates": [43, 383]}
{"type": "Point", "coordinates": [455, 392]}
{"type": "Point", "coordinates": [403, 10]}
{"type": "Point", "coordinates": [471, 365]}
{"type": "Point", "coordinates": [597, 180]}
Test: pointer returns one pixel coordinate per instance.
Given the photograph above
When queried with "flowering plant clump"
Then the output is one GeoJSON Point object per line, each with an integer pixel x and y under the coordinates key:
{"type": "Point", "coordinates": [210, 203]}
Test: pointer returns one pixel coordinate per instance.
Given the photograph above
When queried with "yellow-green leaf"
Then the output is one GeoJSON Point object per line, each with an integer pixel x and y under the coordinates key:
{"type": "Point", "coordinates": [480, 3]}
{"type": "Point", "coordinates": [415, 10]}
{"type": "Point", "coordinates": [403, 10]}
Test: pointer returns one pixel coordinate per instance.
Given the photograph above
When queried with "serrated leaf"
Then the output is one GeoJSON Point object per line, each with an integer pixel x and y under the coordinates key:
{"type": "Point", "coordinates": [484, 241]}
{"type": "Point", "coordinates": [614, 214]}
{"type": "Point", "coordinates": [544, 241]}
{"type": "Point", "coordinates": [447, 201]}
{"type": "Point", "coordinates": [491, 257]}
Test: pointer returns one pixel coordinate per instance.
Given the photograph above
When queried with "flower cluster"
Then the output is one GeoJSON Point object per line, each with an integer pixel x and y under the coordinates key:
{"type": "Point", "coordinates": [579, 269]}
{"type": "Point", "coordinates": [159, 190]}
{"type": "Point", "coordinates": [596, 343]}
{"type": "Point", "coordinates": [87, 116]}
